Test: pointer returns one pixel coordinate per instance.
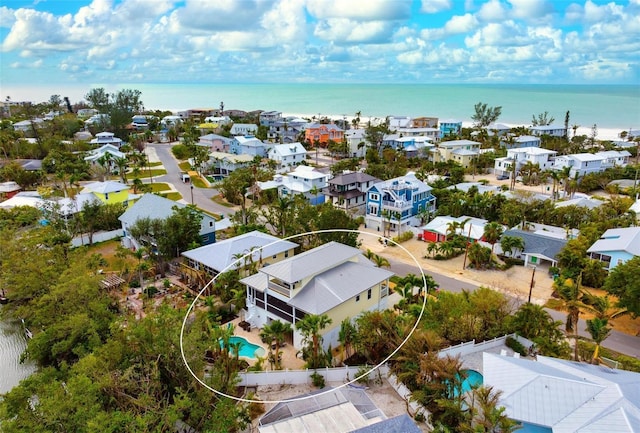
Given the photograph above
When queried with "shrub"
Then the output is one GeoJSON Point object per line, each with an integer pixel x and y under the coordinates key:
{"type": "Point", "coordinates": [403, 237]}
{"type": "Point", "coordinates": [317, 379]}
{"type": "Point", "coordinates": [180, 151]}
{"type": "Point", "coordinates": [363, 370]}
{"type": "Point", "coordinates": [516, 346]}
{"type": "Point", "coordinates": [134, 284]}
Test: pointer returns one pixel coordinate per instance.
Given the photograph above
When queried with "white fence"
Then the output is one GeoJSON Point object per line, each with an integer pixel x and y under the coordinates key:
{"type": "Point", "coordinates": [97, 237]}
{"type": "Point", "coordinates": [298, 377]}
{"type": "Point", "coordinates": [472, 347]}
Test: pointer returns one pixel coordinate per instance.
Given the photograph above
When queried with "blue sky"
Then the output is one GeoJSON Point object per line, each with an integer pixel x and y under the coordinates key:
{"type": "Point", "coordinates": [60, 43]}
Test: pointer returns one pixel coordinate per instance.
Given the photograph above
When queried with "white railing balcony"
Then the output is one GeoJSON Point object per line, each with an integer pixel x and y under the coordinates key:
{"type": "Point", "coordinates": [396, 205]}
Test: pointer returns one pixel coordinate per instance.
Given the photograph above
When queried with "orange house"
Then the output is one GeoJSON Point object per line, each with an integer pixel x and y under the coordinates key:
{"type": "Point", "coordinates": [323, 133]}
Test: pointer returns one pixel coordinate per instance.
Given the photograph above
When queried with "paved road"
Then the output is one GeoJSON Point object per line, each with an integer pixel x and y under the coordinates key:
{"type": "Point", "coordinates": [201, 196]}
{"type": "Point", "coordinates": [618, 341]}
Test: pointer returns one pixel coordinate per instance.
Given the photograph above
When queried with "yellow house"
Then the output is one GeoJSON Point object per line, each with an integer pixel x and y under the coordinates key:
{"type": "Point", "coordinates": [464, 152]}
{"type": "Point", "coordinates": [332, 279]}
{"type": "Point", "coordinates": [109, 192]}
{"type": "Point", "coordinates": [251, 249]}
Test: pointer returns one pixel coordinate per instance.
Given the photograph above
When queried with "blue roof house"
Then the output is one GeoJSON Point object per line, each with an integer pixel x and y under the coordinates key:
{"type": "Point", "coordinates": [398, 202]}
{"type": "Point", "coordinates": [450, 127]}
{"type": "Point", "coordinates": [616, 246]}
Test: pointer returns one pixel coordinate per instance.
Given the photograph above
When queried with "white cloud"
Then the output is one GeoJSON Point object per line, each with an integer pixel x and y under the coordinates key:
{"type": "Point", "coordinates": [342, 30]}
{"type": "Point", "coordinates": [531, 10]}
{"type": "Point", "coordinates": [602, 70]}
{"type": "Point", "coordinates": [435, 6]}
{"type": "Point", "coordinates": [461, 24]}
{"type": "Point", "coordinates": [608, 12]}
{"type": "Point", "coordinates": [492, 11]}
{"type": "Point", "coordinates": [362, 10]}
{"type": "Point", "coordinates": [7, 17]}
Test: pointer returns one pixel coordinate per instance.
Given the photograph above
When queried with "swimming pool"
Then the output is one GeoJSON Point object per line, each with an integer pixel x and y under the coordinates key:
{"type": "Point", "coordinates": [473, 380]}
{"type": "Point", "coordinates": [247, 350]}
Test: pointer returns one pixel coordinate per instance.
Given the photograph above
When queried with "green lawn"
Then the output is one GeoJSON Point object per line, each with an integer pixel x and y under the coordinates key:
{"type": "Point", "coordinates": [175, 196]}
{"type": "Point", "coordinates": [197, 182]}
{"type": "Point", "coordinates": [218, 199]}
{"type": "Point", "coordinates": [155, 164]}
{"type": "Point", "coordinates": [145, 173]}
{"type": "Point", "coordinates": [185, 166]}
{"type": "Point", "coordinates": [159, 186]}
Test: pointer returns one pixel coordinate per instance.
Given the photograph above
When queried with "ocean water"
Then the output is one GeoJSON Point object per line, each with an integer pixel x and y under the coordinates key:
{"type": "Point", "coordinates": [608, 106]}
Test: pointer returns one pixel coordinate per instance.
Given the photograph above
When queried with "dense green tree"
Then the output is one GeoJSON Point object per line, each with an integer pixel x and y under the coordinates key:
{"type": "Point", "coordinates": [274, 334]}
{"type": "Point", "coordinates": [624, 283]}
{"type": "Point", "coordinates": [333, 218]}
{"type": "Point", "coordinates": [534, 322]}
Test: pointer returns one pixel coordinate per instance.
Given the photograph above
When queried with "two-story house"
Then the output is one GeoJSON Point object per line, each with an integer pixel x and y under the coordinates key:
{"type": "Point", "coordinates": [107, 153]}
{"type": "Point", "coordinates": [303, 180]}
{"type": "Point", "coordinates": [243, 129]}
{"type": "Point", "coordinates": [552, 130]}
{"type": "Point", "coordinates": [424, 122]}
{"type": "Point", "coordinates": [356, 142]}
{"type": "Point", "coordinates": [156, 207]}
{"type": "Point", "coordinates": [520, 141]}
{"type": "Point", "coordinates": [223, 164]}
{"type": "Point", "coordinates": [464, 152]}
{"type": "Point", "coordinates": [585, 163]}
{"type": "Point", "coordinates": [322, 133]}
{"type": "Point", "coordinates": [332, 279]}
{"type": "Point", "coordinates": [398, 202]}
{"type": "Point", "coordinates": [249, 145]}
{"type": "Point", "coordinates": [287, 155]}
{"type": "Point", "coordinates": [215, 142]}
{"type": "Point", "coordinates": [268, 118]}
{"type": "Point", "coordinates": [450, 127]}
{"type": "Point", "coordinates": [412, 146]}
{"type": "Point", "coordinates": [616, 246]}
{"type": "Point", "coordinates": [432, 133]}
{"type": "Point", "coordinates": [285, 131]}
{"type": "Point", "coordinates": [504, 167]}
{"type": "Point", "coordinates": [348, 191]}
{"type": "Point", "coordinates": [103, 138]}
{"type": "Point", "coordinates": [201, 264]}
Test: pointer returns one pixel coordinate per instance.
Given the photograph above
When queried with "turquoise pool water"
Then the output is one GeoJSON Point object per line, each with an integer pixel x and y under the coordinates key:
{"type": "Point", "coordinates": [473, 380]}
{"type": "Point", "coordinates": [248, 350]}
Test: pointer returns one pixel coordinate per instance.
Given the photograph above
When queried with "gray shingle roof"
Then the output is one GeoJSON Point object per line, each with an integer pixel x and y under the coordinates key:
{"type": "Point", "coordinates": [537, 243]}
{"type": "Point", "coordinates": [349, 178]}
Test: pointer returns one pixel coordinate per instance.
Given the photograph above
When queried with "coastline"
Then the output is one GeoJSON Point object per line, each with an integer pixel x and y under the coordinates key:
{"type": "Point", "coordinates": [604, 133]}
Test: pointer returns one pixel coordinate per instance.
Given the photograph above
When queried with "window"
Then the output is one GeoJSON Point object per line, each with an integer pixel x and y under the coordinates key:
{"type": "Point", "coordinates": [286, 254]}
{"type": "Point", "coordinates": [369, 294]}
{"type": "Point", "coordinates": [357, 298]}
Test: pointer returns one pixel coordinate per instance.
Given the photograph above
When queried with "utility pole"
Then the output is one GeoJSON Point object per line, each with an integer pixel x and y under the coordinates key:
{"type": "Point", "coordinates": [191, 193]}
{"type": "Point", "coordinates": [533, 274]}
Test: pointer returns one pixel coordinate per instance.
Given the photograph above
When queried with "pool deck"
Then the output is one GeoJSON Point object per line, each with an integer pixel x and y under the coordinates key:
{"type": "Point", "coordinates": [289, 359]}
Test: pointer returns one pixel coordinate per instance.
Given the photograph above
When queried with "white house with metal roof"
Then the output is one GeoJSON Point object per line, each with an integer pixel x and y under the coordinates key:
{"type": "Point", "coordinates": [243, 129]}
{"type": "Point", "coordinates": [552, 130]}
{"type": "Point", "coordinates": [503, 167]}
{"type": "Point", "coordinates": [304, 180]}
{"type": "Point", "coordinates": [558, 396]}
{"type": "Point", "coordinates": [585, 163]}
{"type": "Point", "coordinates": [616, 246]}
{"type": "Point", "coordinates": [332, 279]}
{"type": "Point", "coordinates": [103, 138]}
{"type": "Point", "coordinates": [256, 247]}
{"type": "Point", "coordinates": [287, 155]}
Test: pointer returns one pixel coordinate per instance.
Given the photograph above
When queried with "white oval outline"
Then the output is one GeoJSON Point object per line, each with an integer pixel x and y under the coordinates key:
{"type": "Point", "coordinates": [303, 397]}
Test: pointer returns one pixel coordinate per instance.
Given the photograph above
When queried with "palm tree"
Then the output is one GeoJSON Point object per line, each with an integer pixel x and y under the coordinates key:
{"type": "Point", "coordinates": [599, 332]}
{"type": "Point", "coordinates": [347, 335]}
{"type": "Point", "coordinates": [121, 163]}
{"type": "Point", "coordinates": [511, 243]}
{"type": "Point", "coordinates": [380, 262]}
{"type": "Point", "coordinates": [274, 335]}
{"type": "Point", "coordinates": [569, 294]}
{"type": "Point", "coordinates": [492, 233]}
{"type": "Point", "coordinates": [602, 307]}
{"type": "Point", "coordinates": [310, 327]}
